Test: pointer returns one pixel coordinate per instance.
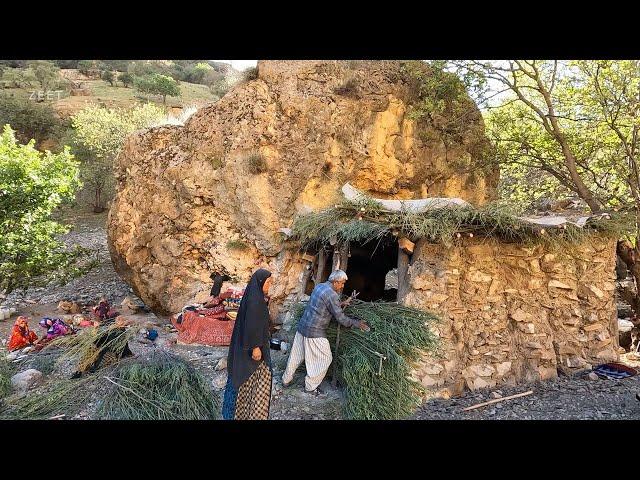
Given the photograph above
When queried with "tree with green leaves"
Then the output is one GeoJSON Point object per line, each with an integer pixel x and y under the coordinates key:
{"type": "Point", "coordinates": [32, 185]}
{"type": "Point", "coordinates": [157, 84]}
{"type": "Point", "coordinates": [84, 66]}
{"type": "Point", "coordinates": [126, 78]}
{"type": "Point", "coordinates": [30, 120]}
{"type": "Point", "coordinates": [99, 134]}
{"type": "Point", "coordinates": [19, 78]}
{"type": "Point", "coordinates": [47, 73]}
{"type": "Point", "coordinates": [108, 76]}
{"type": "Point", "coordinates": [568, 126]}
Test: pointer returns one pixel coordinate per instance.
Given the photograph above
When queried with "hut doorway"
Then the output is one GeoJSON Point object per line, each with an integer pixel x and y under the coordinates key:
{"type": "Point", "coordinates": [372, 271]}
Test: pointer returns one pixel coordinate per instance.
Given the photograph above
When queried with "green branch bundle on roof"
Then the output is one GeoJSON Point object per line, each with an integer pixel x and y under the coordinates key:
{"type": "Point", "coordinates": [367, 220]}
{"type": "Point", "coordinates": [375, 366]}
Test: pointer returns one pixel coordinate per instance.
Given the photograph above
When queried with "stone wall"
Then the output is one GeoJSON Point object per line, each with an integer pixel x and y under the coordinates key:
{"type": "Point", "coordinates": [513, 313]}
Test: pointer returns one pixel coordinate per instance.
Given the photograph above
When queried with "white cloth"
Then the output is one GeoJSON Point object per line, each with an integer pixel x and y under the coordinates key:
{"type": "Point", "coordinates": [316, 353]}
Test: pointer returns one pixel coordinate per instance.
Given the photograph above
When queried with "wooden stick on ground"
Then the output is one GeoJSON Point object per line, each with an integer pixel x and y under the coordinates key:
{"type": "Point", "coordinates": [58, 417]}
{"type": "Point", "coordinates": [497, 400]}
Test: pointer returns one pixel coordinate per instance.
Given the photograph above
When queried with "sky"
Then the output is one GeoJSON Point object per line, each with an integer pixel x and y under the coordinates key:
{"type": "Point", "coordinates": [240, 64]}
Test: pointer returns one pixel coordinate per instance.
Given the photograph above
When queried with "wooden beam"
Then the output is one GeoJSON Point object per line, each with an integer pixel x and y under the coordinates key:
{"type": "Point", "coordinates": [335, 263]}
{"type": "Point", "coordinates": [344, 256]}
{"type": "Point", "coordinates": [497, 400]}
{"type": "Point", "coordinates": [322, 260]}
{"type": "Point", "coordinates": [403, 273]}
{"type": "Point", "coordinates": [307, 274]}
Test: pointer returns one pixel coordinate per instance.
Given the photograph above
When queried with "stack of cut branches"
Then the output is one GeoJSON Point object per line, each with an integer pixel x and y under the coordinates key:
{"type": "Point", "coordinates": [161, 387]}
{"type": "Point", "coordinates": [374, 366]}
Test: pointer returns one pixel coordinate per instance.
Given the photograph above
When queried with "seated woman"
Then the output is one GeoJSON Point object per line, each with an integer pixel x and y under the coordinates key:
{"type": "Point", "coordinates": [21, 335]}
{"type": "Point", "coordinates": [55, 327]}
{"type": "Point", "coordinates": [214, 296]}
{"type": "Point", "coordinates": [104, 312]}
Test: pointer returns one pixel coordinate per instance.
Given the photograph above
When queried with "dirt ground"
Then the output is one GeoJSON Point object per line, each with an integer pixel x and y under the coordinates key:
{"type": "Point", "coordinates": [292, 403]}
{"type": "Point", "coordinates": [574, 397]}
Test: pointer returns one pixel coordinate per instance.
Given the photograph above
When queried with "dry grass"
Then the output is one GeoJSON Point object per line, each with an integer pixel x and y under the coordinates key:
{"type": "Point", "coordinates": [348, 89]}
{"type": "Point", "coordinates": [366, 220]}
{"type": "Point", "coordinates": [256, 163]}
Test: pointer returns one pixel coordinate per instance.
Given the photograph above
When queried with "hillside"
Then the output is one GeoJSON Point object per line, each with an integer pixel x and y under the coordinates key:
{"type": "Point", "coordinates": [83, 90]}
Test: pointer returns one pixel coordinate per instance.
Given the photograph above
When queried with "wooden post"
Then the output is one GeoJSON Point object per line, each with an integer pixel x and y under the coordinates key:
{"type": "Point", "coordinates": [307, 274]}
{"type": "Point", "coordinates": [335, 264]}
{"type": "Point", "coordinates": [322, 260]}
{"type": "Point", "coordinates": [344, 256]}
{"type": "Point", "coordinates": [403, 273]}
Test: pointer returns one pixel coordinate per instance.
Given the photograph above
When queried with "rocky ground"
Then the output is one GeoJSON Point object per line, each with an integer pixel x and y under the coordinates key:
{"type": "Point", "coordinates": [568, 397]}
{"type": "Point", "coordinates": [576, 397]}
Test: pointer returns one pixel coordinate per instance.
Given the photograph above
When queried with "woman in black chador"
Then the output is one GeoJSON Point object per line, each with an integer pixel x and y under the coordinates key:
{"type": "Point", "coordinates": [247, 395]}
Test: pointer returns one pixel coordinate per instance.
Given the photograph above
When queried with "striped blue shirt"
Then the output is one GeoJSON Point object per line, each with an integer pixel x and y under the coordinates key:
{"type": "Point", "coordinates": [323, 304]}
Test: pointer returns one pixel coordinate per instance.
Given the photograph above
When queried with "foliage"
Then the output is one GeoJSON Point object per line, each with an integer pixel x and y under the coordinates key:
{"type": "Point", "coordinates": [32, 185]}
{"type": "Point", "coordinates": [162, 387]}
{"type": "Point", "coordinates": [108, 76]}
{"type": "Point", "coordinates": [157, 84]}
{"type": "Point", "coordinates": [250, 73]}
{"type": "Point", "coordinates": [84, 66]}
{"type": "Point", "coordinates": [220, 88]}
{"type": "Point", "coordinates": [6, 371]}
{"type": "Point", "coordinates": [104, 130]}
{"type": "Point", "coordinates": [30, 120]}
{"type": "Point", "coordinates": [114, 65]}
{"type": "Point", "coordinates": [99, 134]}
{"type": "Point", "coordinates": [67, 397]}
{"type": "Point", "coordinates": [376, 388]}
{"type": "Point", "coordinates": [440, 99]}
{"type": "Point", "coordinates": [256, 163]}
{"type": "Point", "coordinates": [19, 77]}
{"type": "Point", "coordinates": [67, 63]}
{"type": "Point", "coordinates": [47, 73]}
{"type": "Point", "coordinates": [126, 78]}
{"type": "Point", "coordinates": [237, 245]}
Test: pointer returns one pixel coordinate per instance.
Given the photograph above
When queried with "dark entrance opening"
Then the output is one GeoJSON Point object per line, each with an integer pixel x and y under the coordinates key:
{"type": "Point", "coordinates": [368, 270]}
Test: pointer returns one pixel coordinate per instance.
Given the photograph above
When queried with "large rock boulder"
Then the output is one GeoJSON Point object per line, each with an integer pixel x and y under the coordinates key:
{"type": "Point", "coordinates": [214, 193]}
{"type": "Point", "coordinates": [23, 381]}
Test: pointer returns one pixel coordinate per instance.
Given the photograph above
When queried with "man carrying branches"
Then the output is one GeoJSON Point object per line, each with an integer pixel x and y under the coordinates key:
{"type": "Point", "coordinates": [310, 343]}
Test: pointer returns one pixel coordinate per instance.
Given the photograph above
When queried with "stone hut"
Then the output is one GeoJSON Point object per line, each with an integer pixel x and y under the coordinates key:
{"type": "Point", "coordinates": [223, 192]}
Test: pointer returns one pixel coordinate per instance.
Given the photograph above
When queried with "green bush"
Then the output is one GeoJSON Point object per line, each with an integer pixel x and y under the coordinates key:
{"type": "Point", "coordinates": [108, 76]}
{"type": "Point", "coordinates": [84, 66]}
{"type": "Point", "coordinates": [32, 185]}
{"type": "Point", "coordinates": [30, 120]}
{"type": "Point", "coordinates": [126, 78]}
{"type": "Point", "coordinates": [157, 84]}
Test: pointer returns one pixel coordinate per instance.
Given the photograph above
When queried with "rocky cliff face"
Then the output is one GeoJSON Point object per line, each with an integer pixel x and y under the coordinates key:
{"type": "Point", "coordinates": [212, 194]}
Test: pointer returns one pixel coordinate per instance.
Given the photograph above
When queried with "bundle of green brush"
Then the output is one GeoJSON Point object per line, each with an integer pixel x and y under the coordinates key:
{"type": "Point", "coordinates": [374, 367]}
